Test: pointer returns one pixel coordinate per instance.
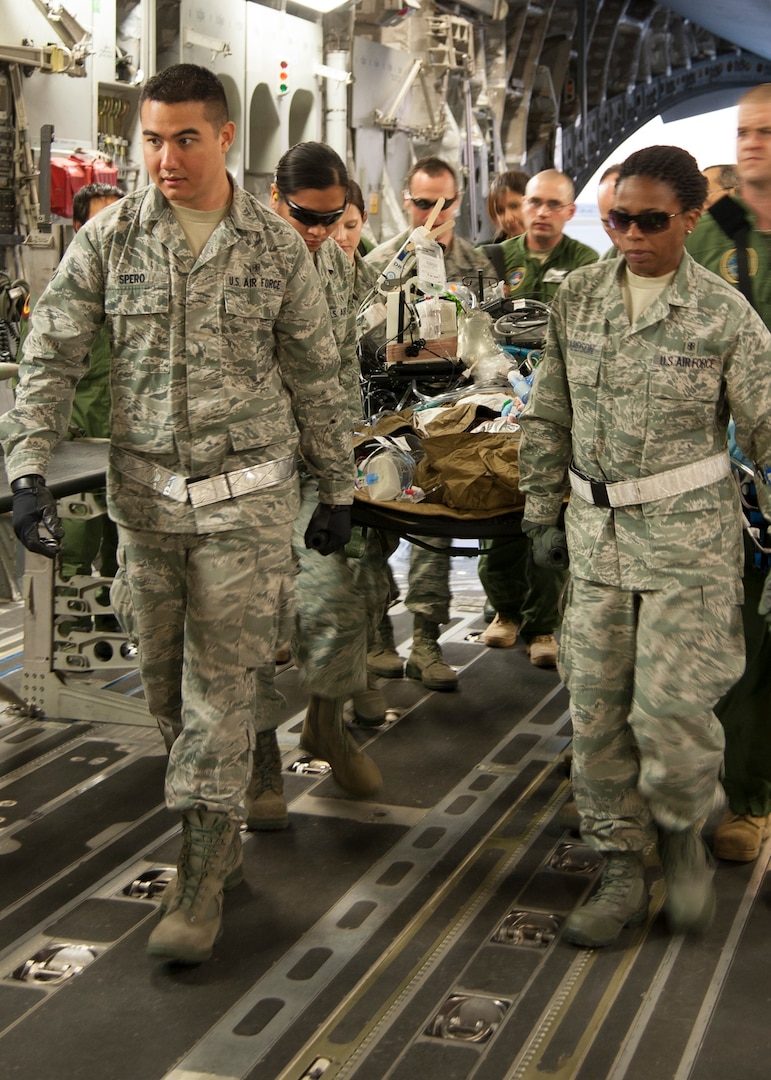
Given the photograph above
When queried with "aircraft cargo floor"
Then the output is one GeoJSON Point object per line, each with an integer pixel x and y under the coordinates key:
{"type": "Point", "coordinates": [416, 937]}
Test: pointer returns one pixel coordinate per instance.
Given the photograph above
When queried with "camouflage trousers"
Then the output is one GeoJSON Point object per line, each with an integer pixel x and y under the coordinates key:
{"type": "Point", "coordinates": [206, 611]}
{"type": "Point", "coordinates": [644, 671]}
{"type": "Point", "coordinates": [428, 592]}
{"type": "Point", "coordinates": [339, 603]}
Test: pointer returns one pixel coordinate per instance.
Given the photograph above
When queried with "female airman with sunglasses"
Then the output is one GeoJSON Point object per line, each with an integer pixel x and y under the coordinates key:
{"type": "Point", "coordinates": [647, 357]}
{"type": "Point", "coordinates": [329, 640]}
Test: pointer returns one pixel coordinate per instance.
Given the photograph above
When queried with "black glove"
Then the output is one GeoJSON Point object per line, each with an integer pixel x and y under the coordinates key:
{"type": "Point", "coordinates": [33, 503]}
{"type": "Point", "coordinates": [329, 528]}
{"type": "Point", "coordinates": [550, 547]}
{"type": "Point", "coordinates": [764, 607]}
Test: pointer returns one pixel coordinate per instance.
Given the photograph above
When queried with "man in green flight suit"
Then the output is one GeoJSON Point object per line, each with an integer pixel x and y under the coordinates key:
{"type": "Point", "coordinates": [525, 596]}
{"type": "Point", "coordinates": [744, 711]}
{"type": "Point", "coordinates": [91, 538]}
{"type": "Point", "coordinates": [538, 261]}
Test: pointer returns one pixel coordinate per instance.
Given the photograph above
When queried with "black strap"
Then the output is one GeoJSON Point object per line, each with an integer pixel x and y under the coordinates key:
{"type": "Point", "coordinates": [496, 256]}
{"type": "Point", "coordinates": [734, 222]}
{"type": "Point", "coordinates": [599, 489]}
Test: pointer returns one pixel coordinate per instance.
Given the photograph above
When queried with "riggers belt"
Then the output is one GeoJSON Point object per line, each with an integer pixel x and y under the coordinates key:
{"type": "Point", "coordinates": [206, 490]}
{"type": "Point", "coordinates": [662, 485]}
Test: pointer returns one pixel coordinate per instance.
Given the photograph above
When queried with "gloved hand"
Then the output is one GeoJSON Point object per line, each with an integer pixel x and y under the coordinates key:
{"type": "Point", "coordinates": [329, 528]}
{"type": "Point", "coordinates": [34, 504]}
{"type": "Point", "coordinates": [550, 548]}
{"type": "Point", "coordinates": [764, 607]}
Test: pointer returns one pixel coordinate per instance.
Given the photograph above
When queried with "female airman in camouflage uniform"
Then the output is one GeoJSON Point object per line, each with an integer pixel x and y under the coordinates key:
{"type": "Point", "coordinates": [646, 357]}
{"type": "Point", "coordinates": [329, 642]}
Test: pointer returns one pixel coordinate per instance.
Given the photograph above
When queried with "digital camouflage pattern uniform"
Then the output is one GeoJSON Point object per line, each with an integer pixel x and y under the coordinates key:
{"type": "Point", "coordinates": [652, 633]}
{"type": "Point", "coordinates": [538, 279]}
{"type": "Point", "coordinates": [364, 278]}
{"type": "Point", "coordinates": [330, 640]}
{"type": "Point", "coordinates": [744, 711]}
{"type": "Point", "coordinates": [462, 262]}
{"type": "Point", "coordinates": [219, 363]}
{"type": "Point", "coordinates": [428, 593]}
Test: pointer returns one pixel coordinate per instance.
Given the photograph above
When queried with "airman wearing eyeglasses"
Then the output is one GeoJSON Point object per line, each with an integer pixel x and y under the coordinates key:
{"type": "Point", "coordinates": [428, 597]}
{"type": "Point", "coordinates": [539, 260]}
{"type": "Point", "coordinates": [525, 597]}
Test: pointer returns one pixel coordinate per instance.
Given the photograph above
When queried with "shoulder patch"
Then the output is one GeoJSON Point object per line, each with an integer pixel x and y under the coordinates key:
{"type": "Point", "coordinates": [728, 265]}
{"type": "Point", "coordinates": [515, 277]}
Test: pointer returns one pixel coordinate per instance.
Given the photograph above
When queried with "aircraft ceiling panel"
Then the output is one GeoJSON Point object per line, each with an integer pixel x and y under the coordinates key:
{"type": "Point", "coordinates": [746, 24]}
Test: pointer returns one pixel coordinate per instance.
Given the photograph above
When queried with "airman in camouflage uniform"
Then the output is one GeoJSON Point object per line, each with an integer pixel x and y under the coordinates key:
{"type": "Point", "coordinates": [652, 633]}
{"type": "Point", "coordinates": [330, 634]}
{"type": "Point", "coordinates": [428, 595]}
{"type": "Point", "coordinates": [224, 365]}
{"type": "Point", "coordinates": [330, 642]}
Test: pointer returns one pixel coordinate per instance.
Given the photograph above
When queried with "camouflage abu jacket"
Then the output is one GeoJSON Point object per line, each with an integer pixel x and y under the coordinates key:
{"type": "Point", "coordinates": [461, 261]}
{"type": "Point", "coordinates": [625, 402]}
{"type": "Point", "coordinates": [338, 283]}
{"type": "Point", "coordinates": [218, 363]}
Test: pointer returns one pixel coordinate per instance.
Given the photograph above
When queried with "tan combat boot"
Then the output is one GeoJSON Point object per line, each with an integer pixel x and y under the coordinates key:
{"type": "Point", "coordinates": [325, 736]}
{"type": "Point", "coordinates": [193, 919]}
{"type": "Point", "coordinates": [688, 871]}
{"type": "Point", "coordinates": [234, 870]}
{"type": "Point", "coordinates": [426, 661]}
{"type": "Point", "coordinates": [739, 837]}
{"type": "Point", "coordinates": [621, 900]}
{"type": "Point", "coordinates": [382, 658]}
{"type": "Point", "coordinates": [501, 633]}
{"type": "Point", "coordinates": [265, 804]}
{"type": "Point", "coordinates": [369, 706]}
{"type": "Point", "coordinates": [543, 651]}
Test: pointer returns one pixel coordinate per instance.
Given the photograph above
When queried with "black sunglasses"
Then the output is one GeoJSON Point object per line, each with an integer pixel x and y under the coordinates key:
{"type": "Point", "coordinates": [314, 217]}
{"type": "Point", "coordinates": [428, 204]}
{"type": "Point", "coordinates": [650, 221]}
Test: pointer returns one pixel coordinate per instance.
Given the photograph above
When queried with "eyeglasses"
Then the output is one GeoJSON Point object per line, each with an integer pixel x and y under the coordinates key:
{"type": "Point", "coordinates": [550, 205]}
{"type": "Point", "coordinates": [314, 217]}
{"type": "Point", "coordinates": [650, 221]}
{"type": "Point", "coordinates": [429, 204]}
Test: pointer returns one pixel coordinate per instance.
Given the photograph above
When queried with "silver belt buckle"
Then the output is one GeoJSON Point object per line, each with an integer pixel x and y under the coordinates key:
{"type": "Point", "coordinates": [175, 487]}
{"type": "Point", "coordinates": [212, 489]}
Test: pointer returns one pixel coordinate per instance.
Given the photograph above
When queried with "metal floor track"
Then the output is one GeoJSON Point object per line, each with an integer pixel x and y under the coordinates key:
{"type": "Point", "coordinates": [416, 936]}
